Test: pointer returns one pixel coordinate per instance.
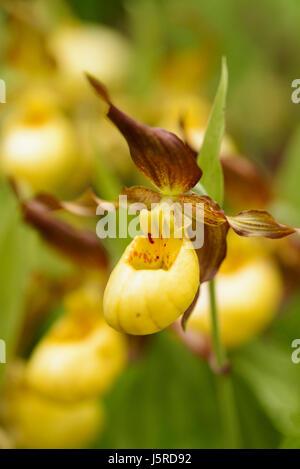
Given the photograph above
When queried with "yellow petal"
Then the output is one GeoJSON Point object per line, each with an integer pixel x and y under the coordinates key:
{"type": "Point", "coordinates": [154, 283]}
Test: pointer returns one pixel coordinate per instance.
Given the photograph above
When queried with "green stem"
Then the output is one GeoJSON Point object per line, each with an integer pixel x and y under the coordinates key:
{"type": "Point", "coordinates": [225, 389]}
{"type": "Point", "coordinates": [217, 344]}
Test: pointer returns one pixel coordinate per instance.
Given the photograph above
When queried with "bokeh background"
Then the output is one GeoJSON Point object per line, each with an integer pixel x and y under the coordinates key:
{"type": "Point", "coordinates": [161, 61]}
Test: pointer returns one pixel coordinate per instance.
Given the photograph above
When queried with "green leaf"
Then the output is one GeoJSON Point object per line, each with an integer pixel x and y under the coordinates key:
{"type": "Point", "coordinates": [257, 431]}
{"type": "Point", "coordinates": [165, 400]}
{"type": "Point", "coordinates": [208, 158]}
{"type": "Point", "coordinates": [268, 371]}
{"type": "Point", "coordinates": [283, 329]}
{"type": "Point", "coordinates": [288, 175]}
{"type": "Point", "coordinates": [14, 259]}
{"type": "Point", "coordinates": [290, 442]}
{"type": "Point", "coordinates": [168, 399]}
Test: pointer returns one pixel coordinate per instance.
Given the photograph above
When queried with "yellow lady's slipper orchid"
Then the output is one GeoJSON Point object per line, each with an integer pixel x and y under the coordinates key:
{"type": "Point", "coordinates": [80, 357]}
{"type": "Point", "coordinates": [248, 291]}
{"type": "Point", "coordinates": [38, 145]}
{"type": "Point", "coordinates": [154, 282]}
{"type": "Point", "coordinates": [37, 422]}
{"type": "Point", "coordinates": [157, 278]}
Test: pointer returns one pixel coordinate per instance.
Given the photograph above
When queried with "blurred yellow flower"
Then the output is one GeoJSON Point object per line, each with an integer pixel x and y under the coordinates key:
{"type": "Point", "coordinates": [248, 291]}
{"type": "Point", "coordinates": [37, 422]}
{"type": "Point", "coordinates": [39, 144]}
{"type": "Point", "coordinates": [189, 108]}
{"type": "Point", "coordinates": [186, 69]}
{"type": "Point", "coordinates": [87, 297]}
{"type": "Point", "coordinates": [80, 357]}
{"type": "Point", "coordinates": [6, 442]}
{"type": "Point", "coordinates": [90, 47]}
{"type": "Point", "coordinates": [191, 112]}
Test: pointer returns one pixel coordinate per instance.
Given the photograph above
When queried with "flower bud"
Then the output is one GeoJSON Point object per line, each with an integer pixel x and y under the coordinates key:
{"type": "Point", "coordinates": [80, 357]}
{"type": "Point", "coordinates": [248, 292]}
{"type": "Point", "coordinates": [154, 282]}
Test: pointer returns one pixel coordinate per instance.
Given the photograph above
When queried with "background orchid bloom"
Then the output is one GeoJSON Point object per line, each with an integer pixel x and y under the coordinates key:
{"type": "Point", "coordinates": [81, 356]}
{"type": "Point", "coordinates": [38, 146]}
{"type": "Point", "coordinates": [248, 289]}
{"type": "Point", "coordinates": [38, 422]}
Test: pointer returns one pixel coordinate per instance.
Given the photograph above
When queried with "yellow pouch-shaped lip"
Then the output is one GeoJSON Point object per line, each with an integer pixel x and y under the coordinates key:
{"type": "Point", "coordinates": [154, 283]}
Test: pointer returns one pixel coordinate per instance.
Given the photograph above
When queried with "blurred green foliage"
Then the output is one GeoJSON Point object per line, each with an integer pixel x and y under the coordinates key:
{"type": "Point", "coordinates": [261, 43]}
{"type": "Point", "coordinates": [15, 264]}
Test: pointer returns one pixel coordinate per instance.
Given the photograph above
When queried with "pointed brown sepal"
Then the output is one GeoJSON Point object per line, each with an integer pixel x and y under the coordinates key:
{"type": "Point", "coordinates": [160, 155]}
{"type": "Point", "coordinates": [259, 223]}
{"type": "Point", "coordinates": [85, 205]}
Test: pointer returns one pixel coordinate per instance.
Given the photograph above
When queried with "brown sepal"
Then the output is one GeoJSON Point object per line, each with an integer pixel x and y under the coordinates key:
{"type": "Point", "coordinates": [160, 155]}
{"type": "Point", "coordinates": [80, 246]}
{"type": "Point", "coordinates": [85, 205]}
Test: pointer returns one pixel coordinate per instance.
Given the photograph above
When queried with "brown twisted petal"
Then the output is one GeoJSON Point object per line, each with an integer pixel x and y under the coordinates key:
{"type": "Point", "coordinates": [259, 223]}
{"type": "Point", "coordinates": [139, 194]}
{"type": "Point", "coordinates": [213, 251]}
{"type": "Point", "coordinates": [80, 246]}
{"type": "Point", "coordinates": [203, 205]}
{"type": "Point", "coordinates": [160, 155]}
{"type": "Point", "coordinates": [85, 205]}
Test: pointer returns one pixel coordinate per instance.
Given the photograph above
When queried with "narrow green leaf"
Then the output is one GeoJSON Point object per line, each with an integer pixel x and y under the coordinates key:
{"type": "Point", "coordinates": [14, 261]}
{"type": "Point", "coordinates": [208, 158]}
{"type": "Point", "coordinates": [288, 178]}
